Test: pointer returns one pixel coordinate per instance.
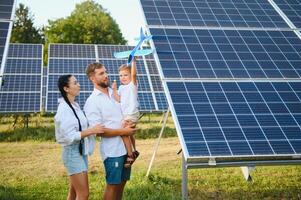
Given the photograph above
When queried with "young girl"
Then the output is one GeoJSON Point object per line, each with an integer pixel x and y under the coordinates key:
{"type": "Point", "coordinates": [127, 95]}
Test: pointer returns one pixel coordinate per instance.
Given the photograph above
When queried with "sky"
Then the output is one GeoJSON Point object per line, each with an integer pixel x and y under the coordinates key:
{"type": "Point", "coordinates": [127, 13]}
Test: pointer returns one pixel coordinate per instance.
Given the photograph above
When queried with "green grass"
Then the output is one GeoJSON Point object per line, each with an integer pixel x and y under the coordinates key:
{"type": "Point", "coordinates": [31, 168]}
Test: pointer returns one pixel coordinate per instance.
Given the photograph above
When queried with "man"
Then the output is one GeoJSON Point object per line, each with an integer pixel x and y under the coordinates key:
{"type": "Point", "coordinates": [101, 108]}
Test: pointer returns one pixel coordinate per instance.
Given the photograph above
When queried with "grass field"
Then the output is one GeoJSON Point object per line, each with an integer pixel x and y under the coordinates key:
{"type": "Point", "coordinates": [31, 168]}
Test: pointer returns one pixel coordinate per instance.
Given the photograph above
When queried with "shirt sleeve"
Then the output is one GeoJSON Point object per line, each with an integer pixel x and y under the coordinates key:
{"type": "Point", "coordinates": [93, 113]}
{"type": "Point", "coordinates": [66, 128]}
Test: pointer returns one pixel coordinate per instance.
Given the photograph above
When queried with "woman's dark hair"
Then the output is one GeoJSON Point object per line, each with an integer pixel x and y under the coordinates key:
{"type": "Point", "coordinates": [64, 82]}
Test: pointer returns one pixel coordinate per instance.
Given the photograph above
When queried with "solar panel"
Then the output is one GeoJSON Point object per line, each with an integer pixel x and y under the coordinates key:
{"type": "Point", "coordinates": [238, 118]}
{"type": "Point", "coordinates": [4, 30]}
{"type": "Point", "coordinates": [22, 79]}
{"type": "Point", "coordinates": [231, 71]}
{"type": "Point", "coordinates": [220, 13]}
{"type": "Point", "coordinates": [292, 9]}
{"type": "Point", "coordinates": [191, 53]}
{"type": "Point", "coordinates": [6, 7]}
{"type": "Point", "coordinates": [59, 63]}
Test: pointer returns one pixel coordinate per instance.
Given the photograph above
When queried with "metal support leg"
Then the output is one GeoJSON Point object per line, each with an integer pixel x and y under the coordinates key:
{"type": "Point", "coordinates": [184, 180]}
{"type": "Point", "coordinates": [247, 172]}
{"type": "Point", "coordinates": [158, 142]}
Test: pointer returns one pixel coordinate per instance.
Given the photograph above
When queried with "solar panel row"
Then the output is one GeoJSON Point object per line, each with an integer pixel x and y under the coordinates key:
{"type": "Point", "coordinates": [231, 71]}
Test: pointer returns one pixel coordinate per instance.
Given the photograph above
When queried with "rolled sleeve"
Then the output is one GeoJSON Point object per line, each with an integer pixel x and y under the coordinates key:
{"type": "Point", "coordinates": [93, 114]}
{"type": "Point", "coordinates": [66, 129]}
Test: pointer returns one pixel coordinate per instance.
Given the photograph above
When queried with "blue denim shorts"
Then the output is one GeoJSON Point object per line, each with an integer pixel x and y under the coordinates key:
{"type": "Point", "coordinates": [115, 170]}
{"type": "Point", "coordinates": [73, 161]}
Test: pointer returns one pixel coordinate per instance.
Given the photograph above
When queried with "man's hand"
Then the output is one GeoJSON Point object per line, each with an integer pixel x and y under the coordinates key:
{"type": "Point", "coordinates": [129, 124]}
{"type": "Point", "coordinates": [128, 131]}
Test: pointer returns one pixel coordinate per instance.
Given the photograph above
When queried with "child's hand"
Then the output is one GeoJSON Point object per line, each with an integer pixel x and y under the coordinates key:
{"type": "Point", "coordinates": [114, 85]}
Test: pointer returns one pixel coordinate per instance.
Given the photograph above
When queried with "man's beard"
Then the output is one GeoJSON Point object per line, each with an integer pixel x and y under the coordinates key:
{"type": "Point", "coordinates": [104, 85]}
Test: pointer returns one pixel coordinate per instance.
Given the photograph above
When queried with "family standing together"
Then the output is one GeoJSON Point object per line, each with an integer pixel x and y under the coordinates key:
{"type": "Point", "coordinates": [109, 113]}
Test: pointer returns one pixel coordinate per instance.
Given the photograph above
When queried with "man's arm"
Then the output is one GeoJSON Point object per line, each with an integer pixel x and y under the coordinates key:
{"type": "Point", "coordinates": [108, 132]}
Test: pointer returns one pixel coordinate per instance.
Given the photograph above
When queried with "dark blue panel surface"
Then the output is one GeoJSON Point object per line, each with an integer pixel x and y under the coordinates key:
{"type": "Point", "coordinates": [25, 50]}
{"type": "Point", "coordinates": [72, 51]}
{"type": "Point", "coordinates": [248, 125]}
{"type": "Point", "coordinates": [241, 13]}
{"type": "Point", "coordinates": [19, 102]}
{"type": "Point", "coordinates": [292, 9]}
{"type": "Point", "coordinates": [228, 53]}
{"type": "Point", "coordinates": [23, 66]}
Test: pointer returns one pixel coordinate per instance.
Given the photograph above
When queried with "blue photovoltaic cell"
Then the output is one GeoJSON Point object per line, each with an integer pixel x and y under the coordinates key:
{"type": "Point", "coordinates": [161, 100]}
{"type": "Point", "coordinates": [6, 7]}
{"type": "Point", "coordinates": [3, 37]}
{"type": "Point", "coordinates": [25, 51]}
{"type": "Point", "coordinates": [22, 79]}
{"type": "Point", "coordinates": [219, 13]}
{"type": "Point", "coordinates": [238, 118]}
{"type": "Point", "coordinates": [292, 9]}
{"type": "Point", "coordinates": [19, 102]}
{"type": "Point", "coordinates": [23, 66]}
{"type": "Point", "coordinates": [190, 53]}
{"type": "Point", "coordinates": [72, 51]}
{"type": "Point", "coordinates": [22, 83]}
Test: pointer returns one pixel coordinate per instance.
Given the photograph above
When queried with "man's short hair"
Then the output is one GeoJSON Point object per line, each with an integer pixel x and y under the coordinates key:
{"type": "Point", "coordinates": [91, 68]}
{"type": "Point", "coordinates": [124, 67]}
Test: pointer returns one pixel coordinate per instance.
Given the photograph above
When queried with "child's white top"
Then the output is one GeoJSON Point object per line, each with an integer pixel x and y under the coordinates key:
{"type": "Point", "coordinates": [128, 98]}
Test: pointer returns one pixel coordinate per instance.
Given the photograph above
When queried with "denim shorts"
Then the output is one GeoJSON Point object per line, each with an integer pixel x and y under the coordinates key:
{"type": "Point", "coordinates": [115, 170]}
{"type": "Point", "coordinates": [73, 161]}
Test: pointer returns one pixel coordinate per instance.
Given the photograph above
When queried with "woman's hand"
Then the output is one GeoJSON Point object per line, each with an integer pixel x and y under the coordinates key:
{"type": "Point", "coordinates": [97, 129]}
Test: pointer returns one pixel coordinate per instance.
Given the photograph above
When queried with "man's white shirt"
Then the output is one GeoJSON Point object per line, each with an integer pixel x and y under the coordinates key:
{"type": "Point", "coordinates": [103, 109]}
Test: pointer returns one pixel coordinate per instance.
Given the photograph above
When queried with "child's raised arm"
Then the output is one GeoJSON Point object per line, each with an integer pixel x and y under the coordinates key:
{"type": "Point", "coordinates": [115, 92]}
{"type": "Point", "coordinates": [134, 71]}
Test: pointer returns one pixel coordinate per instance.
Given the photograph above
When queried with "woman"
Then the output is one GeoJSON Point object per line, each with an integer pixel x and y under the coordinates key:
{"type": "Point", "coordinates": [72, 132]}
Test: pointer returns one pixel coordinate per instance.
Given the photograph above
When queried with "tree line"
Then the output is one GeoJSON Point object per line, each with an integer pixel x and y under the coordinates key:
{"type": "Point", "coordinates": [89, 23]}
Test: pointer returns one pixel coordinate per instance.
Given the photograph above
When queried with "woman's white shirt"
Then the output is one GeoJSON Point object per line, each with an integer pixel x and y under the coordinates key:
{"type": "Point", "coordinates": [67, 127]}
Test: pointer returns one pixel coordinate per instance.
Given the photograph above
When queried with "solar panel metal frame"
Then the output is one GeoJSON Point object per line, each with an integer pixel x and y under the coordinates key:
{"type": "Point", "coordinates": [199, 161]}
{"type": "Point", "coordinates": [107, 56]}
{"type": "Point", "coordinates": [40, 76]}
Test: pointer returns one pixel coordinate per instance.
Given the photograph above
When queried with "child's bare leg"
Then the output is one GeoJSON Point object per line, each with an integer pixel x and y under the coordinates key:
{"type": "Point", "coordinates": [128, 144]}
{"type": "Point", "coordinates": [133, 141]}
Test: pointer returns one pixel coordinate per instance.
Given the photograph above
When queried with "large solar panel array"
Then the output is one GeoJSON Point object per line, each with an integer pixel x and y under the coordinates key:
{"type": "Point", "coordinates": [231, 71]}
{"type": "Point", "coordinates": [22, 80]}
{"type": "Point", "coordinates": [73, 59]}
{"type": "Point", "coordinates": [6, 22]}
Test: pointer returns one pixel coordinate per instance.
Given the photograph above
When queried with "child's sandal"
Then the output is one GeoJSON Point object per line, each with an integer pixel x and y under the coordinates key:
{"type": "Point", "coordinates": [129, 161]}
{"type": "Point", "coordinates": [136, 154]}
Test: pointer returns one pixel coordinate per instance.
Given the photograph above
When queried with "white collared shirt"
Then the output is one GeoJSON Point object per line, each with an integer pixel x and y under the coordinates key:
{"type": "Point", "coordinates": [103, 109]}
{"type": "Point", "coordinates": [67, 128]}
{"type": "Point", "coordinates": [128, 98]}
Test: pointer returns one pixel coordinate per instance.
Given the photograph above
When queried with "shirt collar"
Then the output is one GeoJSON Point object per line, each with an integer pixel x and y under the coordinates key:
{"type": "Point", "coordinates": [98, 92]}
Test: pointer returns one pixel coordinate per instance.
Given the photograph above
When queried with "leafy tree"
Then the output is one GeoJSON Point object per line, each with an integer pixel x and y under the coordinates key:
{"type": "Point", "coordinates": [89, 23]}
{"type": "Point", "coordinates": [23, 28]}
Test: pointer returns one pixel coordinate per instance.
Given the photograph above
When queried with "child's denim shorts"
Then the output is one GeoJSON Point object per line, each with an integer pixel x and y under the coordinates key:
{"type": "Point", "coordinates": [73, 161]}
